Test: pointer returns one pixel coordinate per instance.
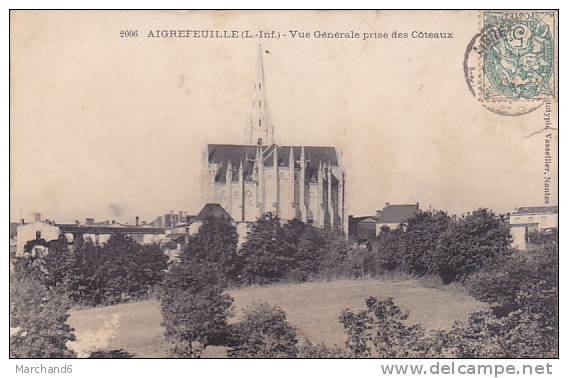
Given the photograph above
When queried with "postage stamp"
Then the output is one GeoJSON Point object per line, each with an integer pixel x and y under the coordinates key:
{"type": "Point", "coordinates": [509, 64]}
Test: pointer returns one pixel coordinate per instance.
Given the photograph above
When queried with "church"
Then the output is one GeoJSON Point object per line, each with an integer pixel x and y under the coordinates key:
{"type": "Point", "coordinates": [260, 176]}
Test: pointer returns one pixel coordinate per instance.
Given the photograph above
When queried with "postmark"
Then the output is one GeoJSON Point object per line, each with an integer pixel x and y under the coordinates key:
{"type": "Point", "coordinates": [509, 66]}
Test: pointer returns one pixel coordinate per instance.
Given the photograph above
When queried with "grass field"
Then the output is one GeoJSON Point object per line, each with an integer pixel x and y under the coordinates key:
{"type": "Point", "coordinates": [313, 308]}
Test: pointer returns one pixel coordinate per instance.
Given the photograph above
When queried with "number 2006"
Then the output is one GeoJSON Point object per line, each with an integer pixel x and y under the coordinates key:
{"type": "Point", "coordinates": [128, 33]}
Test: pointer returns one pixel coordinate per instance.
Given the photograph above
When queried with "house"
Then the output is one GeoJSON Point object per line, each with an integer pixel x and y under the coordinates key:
{"type": "Point", "coordinates": [362, 229]}
{"type": "Point", "coordinates": [393, 216]}
{"type": "Point", "coordinates": [526, 220]}
{"type": "Point", "coordinates": [42, 231]}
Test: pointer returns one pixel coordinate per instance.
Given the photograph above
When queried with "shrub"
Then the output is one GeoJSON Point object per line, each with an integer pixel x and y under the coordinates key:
{"type": "Point", "coordinates": [380, 331]}
{"type": "Point", "coordinates": [516, 335]}
{"type": "Point", "coordinates": [310, 350]}
{"type": "Point", "coordinates": [523, 292]}
{"type": "Point", "coordinates": [263, 333]}
{"type": "Point", "coordinates": [111, 353]}
{"type": "Point", "coordinates": [38, 316]}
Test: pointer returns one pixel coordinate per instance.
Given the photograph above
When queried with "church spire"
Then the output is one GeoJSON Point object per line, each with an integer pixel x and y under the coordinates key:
{"type": "Point", "coordinates": [261, 130]}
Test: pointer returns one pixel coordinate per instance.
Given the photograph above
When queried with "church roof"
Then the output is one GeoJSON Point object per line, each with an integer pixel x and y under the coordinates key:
{"type": "Point", "coordinates": [221, 154]}
{"type": "Point", "coordinates": [213, 211]}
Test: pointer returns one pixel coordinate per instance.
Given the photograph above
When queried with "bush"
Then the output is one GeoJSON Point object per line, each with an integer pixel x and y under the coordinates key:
{"type": "Point", "coordinates": [38, 318]}
{"type": "Point", "coordinates": [263, 333]}
{"type": "Point", "coordinates": [194, 308]}
{"type": "Point", "coordinates": [380, 331]}
{"type": "Point", "coordinates": [111, 353]}
{"type": "Point", "coordinates": [516, 335]}
{"type": "Point", "coordinates": [523, 293]}
{"type": "Point", "coordinates": [323, 351]}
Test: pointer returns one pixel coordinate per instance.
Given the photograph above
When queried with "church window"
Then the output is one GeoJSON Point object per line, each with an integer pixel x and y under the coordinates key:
{"type": "Point", "coordinates": [259, 86]}
{"type": "Point", "coordinates": [38, 235]}
{"type": "Point", "coordinates": [260, 104]}
{"type": "Point", "coordinates": [259, 122]}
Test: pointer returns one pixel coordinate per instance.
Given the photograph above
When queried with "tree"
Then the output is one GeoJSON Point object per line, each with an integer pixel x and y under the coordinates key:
{"type": "Point", "coordinates": [469, 244]}
{"type": "Point", "coordinates": [194, 308]}
{"type": "Point", "coordinates": [263, 333]}
{"type": "Point", "coordinates": [52, 268]}
{"type": "Point", "coordinates": [216, 242]}
{"type": "Point", "coordinates": [151, 265]}
{"type": "Point", "coordinates": [387, 249]}
{"type": "Point", "coordinates": [116, 271]}
{"type": "Point", "coordinates": [420, 240]}
{"type": "Point", "coordinates": [266, 256]}
{"type": "Point", "coordinates": [38, 318]}
{"type": "Point", "coordinates": [89, 278]}
{"type": "Point", "coordinates": [307, 246]}
{"type": "Point", "coordinates": [336, 261]}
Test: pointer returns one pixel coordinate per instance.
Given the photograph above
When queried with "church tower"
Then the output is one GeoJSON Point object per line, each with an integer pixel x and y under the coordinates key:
{"type": "Point", "coordinates": [261, 128]}
{"type": "Point", "coordinates": [259, 176]}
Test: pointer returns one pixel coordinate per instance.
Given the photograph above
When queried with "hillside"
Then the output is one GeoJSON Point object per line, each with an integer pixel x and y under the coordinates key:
{"type": "Point", "coordinates": [313, 308]}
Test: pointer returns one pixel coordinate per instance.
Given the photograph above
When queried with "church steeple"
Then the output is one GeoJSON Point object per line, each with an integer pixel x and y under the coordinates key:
{"type": "Point", "coordinates": [261, 129]}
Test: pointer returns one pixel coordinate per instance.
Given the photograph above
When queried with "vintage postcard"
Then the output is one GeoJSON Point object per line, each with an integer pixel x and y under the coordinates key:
{"type": "Point", "coordinates": [284, 184]}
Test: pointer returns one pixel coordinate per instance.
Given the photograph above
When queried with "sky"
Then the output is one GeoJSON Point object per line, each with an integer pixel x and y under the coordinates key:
{"type": "Point", "coordinates": [111, 128]}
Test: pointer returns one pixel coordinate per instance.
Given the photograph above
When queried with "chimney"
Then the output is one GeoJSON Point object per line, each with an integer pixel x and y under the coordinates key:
{"type": "Point", "coordinates": [418, 205]}
{"type": "Point", "coordinates": [22, 220]}
{"type": "Point", "coordinates": [387, 204]}
{"type": "Point", "coordinates": [137, 220]}
{"type": "Point", "coordinates": [76, 222]}
{"type": "Point", "coordinates": [37, 217]}
{"type": "Point", "coordinates": [89, 221]}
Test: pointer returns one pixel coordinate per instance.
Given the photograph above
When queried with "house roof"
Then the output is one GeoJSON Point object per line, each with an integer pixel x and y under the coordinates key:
{"type": "Point", "coordinates": [397, 213]}
{"type": "Point", "coordinates": [213, 211]}
{"type": "Point", "coordinates": [222, 154]}
{"type": "Point", "coordinates": [536, 210]}
{"type": "Point", "coordinates": [368, 218]}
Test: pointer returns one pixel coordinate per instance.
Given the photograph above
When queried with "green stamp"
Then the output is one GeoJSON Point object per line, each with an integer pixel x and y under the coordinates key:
{"type": "Point", "coordinates": [518, 54]}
